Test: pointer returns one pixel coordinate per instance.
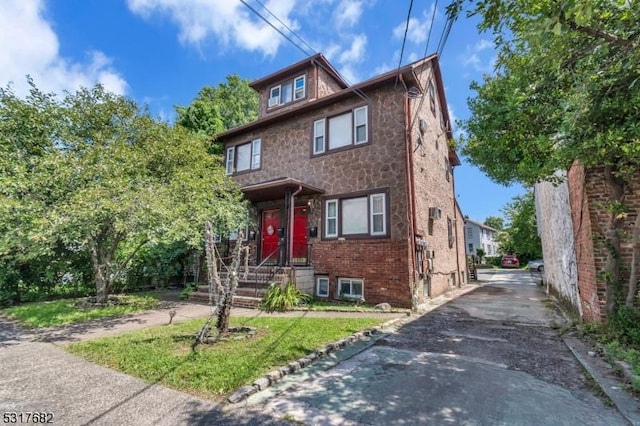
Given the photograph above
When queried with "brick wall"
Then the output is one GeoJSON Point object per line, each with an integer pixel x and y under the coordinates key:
{"type": "Point", "coordinates": [589, 199]}
{"type": "Point", "coordinates": [382, 263]}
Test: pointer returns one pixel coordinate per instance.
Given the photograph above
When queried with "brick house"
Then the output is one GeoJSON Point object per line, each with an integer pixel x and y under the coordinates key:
{"type": "Point", "coordinates": [572, 220]}
{"type": "Point", "coordinates": [352, 187]}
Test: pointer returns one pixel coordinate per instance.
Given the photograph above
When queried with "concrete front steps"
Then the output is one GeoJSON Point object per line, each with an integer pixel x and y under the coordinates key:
{"type": "Point", "coordinates": [251, 287]}
{"type": "Point", "coordinates": [248, 295]}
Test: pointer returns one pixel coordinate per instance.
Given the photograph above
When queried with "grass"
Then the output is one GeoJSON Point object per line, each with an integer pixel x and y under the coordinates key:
{"type": "Point", "coordinates": [163, 354]}
{"type": "Point", "coordinates": [67, 311]}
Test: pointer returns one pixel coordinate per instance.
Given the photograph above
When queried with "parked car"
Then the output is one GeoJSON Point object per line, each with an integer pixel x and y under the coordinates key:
{"type": "Point", "coordinates": [536, 265]}
{"type": "Point", "coordinates": [510, 261]}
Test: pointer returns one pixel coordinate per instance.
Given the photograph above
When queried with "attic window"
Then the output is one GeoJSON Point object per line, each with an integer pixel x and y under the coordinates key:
{"type": "Point", "coordinates": [286, 92]}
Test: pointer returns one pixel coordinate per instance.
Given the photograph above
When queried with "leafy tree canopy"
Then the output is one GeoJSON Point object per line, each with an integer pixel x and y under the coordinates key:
{"type": "Point", "coordinates": [94, 172]}
{"type": "Point", "coordinates": [520, 235]}
{"type": "Point", "coordinates": [216, 109]}
{"type": "Point", "coordinates": [495, 222]}
{"type": "Point", "coordinates": [566, 87]}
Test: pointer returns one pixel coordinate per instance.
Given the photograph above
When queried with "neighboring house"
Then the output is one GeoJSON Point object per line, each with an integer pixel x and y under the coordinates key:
{"type": "Point", "coordinates": [478, 235]}
{"type": "Point", "coordinates": [572, 219]}
{"type": "Point", "coordinates": [352, 187]}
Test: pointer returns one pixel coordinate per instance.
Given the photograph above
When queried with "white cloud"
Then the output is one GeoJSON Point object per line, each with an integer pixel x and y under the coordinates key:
{"type": "Point", "coordinates": [418, 29]}
{"type": "Point", "coordinates": [30, 46]}
{"type": "Point", "coordinates": [480, 56]}
{"type": "Point", "coordinates": [230, 23]}
{"type": "Point", "coordinates": [348, 13]}
{"type": "Point", "coordinates": [355, 53]}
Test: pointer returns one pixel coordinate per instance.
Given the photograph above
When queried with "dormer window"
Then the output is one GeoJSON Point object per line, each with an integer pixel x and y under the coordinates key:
{"type": "Point", "coordinates": [288, 91]}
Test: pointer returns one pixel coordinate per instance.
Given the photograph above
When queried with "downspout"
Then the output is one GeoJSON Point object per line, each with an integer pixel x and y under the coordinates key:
{"type": "Point", "coordinates": [411, 194]}
{"type": "Point", "coordinates": [291, 214]}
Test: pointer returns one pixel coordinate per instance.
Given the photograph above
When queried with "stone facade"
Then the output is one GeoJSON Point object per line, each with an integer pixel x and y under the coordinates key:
{"type": "Point", "coordinates": [412, 168]}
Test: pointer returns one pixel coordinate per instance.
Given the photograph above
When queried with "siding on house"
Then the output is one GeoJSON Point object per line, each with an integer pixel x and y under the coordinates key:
{"type": "Point", "coordinates": [417, 256]}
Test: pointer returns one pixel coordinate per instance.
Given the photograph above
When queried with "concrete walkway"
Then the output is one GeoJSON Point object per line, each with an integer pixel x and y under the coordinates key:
{"type": "Point", "coordinates": [37, 375]}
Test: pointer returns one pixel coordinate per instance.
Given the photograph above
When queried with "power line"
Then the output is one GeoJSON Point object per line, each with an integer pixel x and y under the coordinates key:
{"type": "Point", "coordinates": [357, 91]}
{"type": "Point", "coordinates": [286, 26]}
{"type": "Point", "coordinates": [404, 39]}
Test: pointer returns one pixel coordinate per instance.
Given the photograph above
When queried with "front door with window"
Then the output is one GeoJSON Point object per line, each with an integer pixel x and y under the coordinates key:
{"type": "Point", "coordinates": [270, 238]}
{"type": "Point", "coordinates": [300, 251]}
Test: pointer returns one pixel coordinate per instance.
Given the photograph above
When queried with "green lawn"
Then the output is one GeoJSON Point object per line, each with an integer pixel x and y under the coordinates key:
{"type": "Point", "coordinates": [66, 311]}
{"type": "Point", "coordinates": [163, 354]}
{"type": "Point", "coordinates": [320, 305]}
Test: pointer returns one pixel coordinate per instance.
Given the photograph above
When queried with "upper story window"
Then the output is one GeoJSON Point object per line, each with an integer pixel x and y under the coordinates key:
{"type": "Point", "coordinates": [347, 129]}
{"type": "Point", "coordinates": [243, 157]}
{"type": "Point", "coordinates": [356, 216]}
{"type": "Point", "coordinates": [286, 92]}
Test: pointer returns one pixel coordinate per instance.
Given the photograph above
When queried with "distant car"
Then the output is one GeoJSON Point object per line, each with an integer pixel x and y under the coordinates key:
{"type": "Point", "coordinates": [510, 261]}
{"type": "Point", "coordinates": [536, 265]}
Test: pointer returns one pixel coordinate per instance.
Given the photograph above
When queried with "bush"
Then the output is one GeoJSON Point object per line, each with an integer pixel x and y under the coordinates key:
{"type": "Point", "coordinates": [278, 299]}
{"type": "Point", "coordinates": [626, 323]}
{"type": "Point", "coordinates": [190, 288]}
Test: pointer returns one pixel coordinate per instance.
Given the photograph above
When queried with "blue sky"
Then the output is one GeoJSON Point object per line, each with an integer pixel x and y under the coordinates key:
{"type": "Point", "coordinates": [162, 52]}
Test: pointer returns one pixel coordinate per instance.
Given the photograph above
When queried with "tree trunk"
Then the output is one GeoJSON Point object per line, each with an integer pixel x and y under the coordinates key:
{"type": "Point", "coordinates": [612, 241]}
{"type": "Point", "coordinates": [635, 259]}
{"type": "Point", "coordinates": [224, 305]}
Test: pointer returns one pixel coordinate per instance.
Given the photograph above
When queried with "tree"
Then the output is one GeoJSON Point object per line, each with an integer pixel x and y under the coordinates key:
{"type": "Point", "coordinates": [480, 253]}
{"type": "Point", "coordinates": [495, 222]}
{"type": "Point", "coordinates": [566, 88]}
{"type": "Point", "coordinates": [216, 109]}
{"type": "Point", "coordinates": [103, 175]}
{"type": "Point", "coordinates": [520, 236]}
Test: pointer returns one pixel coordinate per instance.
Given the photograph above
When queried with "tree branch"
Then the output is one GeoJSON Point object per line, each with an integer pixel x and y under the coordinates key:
{"type": "Point", "coordinates": [596, 33]}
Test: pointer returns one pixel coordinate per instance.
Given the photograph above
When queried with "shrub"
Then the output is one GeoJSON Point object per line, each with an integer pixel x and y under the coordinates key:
{"type": "Point", "coordinates": [626, 323]}
{"type": "Point", "coordinates": [190, 288]}
{"type": "Point", "coordinates": [279, 299]}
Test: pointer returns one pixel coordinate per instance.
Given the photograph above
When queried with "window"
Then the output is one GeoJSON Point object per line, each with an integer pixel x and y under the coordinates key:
{"type": "Point", "coordinates": [318, 137]}
{"type": "Point", "coordinates": [351, 128]}
{"type": "Point", "coordinates": [274, 96]}
{"type": "Point", "coordinates": [351, 288]}
{"type": "Point", "coordinates": [432, 97]}
{"type": "Point", "coordinates": [447, 168]}
{"type": "Point", "coordinates": [450, 232]}
{"type": "Point", "coordinates": [322, 286]}
{"type": "Point", "coordinates": [378, 210]}
{"type": "Point", "coordinates": [331, 219]}
{"type": "Point", "coordinates": [356, 216]}
{"type": "Point", "coordinates": [289, 91]}
{"type": "Point", "coordinates": [299, 88]}
{"type": "Point", "coordinates": [243, 157]}
{"type": "Point", "coordinates": [360, 125]}
{"type": "Point", "coordinates": [470, 248]}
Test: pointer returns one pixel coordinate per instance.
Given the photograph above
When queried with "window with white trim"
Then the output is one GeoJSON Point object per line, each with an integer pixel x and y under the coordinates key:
{"type": "Point", "coordinates": [288, 91]}
{"type": "Point", "coordinates": [243, 157]}
{"type": "Point", "coordinates": [322, 286]}
{"type": "Point", "coordinates": [351, 288]}
{"type": "Point", "coordinates": [339, 131]}
{"type": "Point", "coordinates": [356, 216]}
{"type": "Point", "coordinates": [331, 219]}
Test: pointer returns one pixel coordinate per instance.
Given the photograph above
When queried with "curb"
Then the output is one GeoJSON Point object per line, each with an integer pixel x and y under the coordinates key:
{"type": "Point", "coordinates": [276, 375]}
{"type": "Point", "coordinates": [624, 402]}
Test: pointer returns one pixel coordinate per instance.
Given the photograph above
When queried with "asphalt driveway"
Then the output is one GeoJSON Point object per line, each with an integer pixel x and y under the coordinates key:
{"type": "Point", "coordinates": [493, 356]}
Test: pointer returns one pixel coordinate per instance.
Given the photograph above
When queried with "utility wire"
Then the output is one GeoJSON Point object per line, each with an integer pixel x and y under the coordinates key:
{"type": "Point", "coordinates": [313, 51]}
{"type": "Point", "coordinates": [404, 39]}
{"type": "Point", "coordinates": [358, 92]}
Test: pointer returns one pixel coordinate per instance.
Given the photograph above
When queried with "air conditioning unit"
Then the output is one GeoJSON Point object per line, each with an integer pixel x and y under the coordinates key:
{"type": "Point", "coordinates": [422, 125]}
{"type": "Point", "coordinates": [435, 213]}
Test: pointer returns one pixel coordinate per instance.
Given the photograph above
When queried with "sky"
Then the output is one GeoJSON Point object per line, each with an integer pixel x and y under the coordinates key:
{"type": "Point", "coordinates": [162, 52]}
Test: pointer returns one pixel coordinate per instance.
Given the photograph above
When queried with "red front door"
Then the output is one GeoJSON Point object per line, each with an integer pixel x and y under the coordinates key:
{"type": "Point", "coordinates": [300, 252]}
{"type": "Point", "coordinates": [270, 225]}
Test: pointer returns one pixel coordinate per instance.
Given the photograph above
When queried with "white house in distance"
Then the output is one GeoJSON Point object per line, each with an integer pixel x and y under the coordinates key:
{"type": "Point", "coordinates": [478, 235]}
